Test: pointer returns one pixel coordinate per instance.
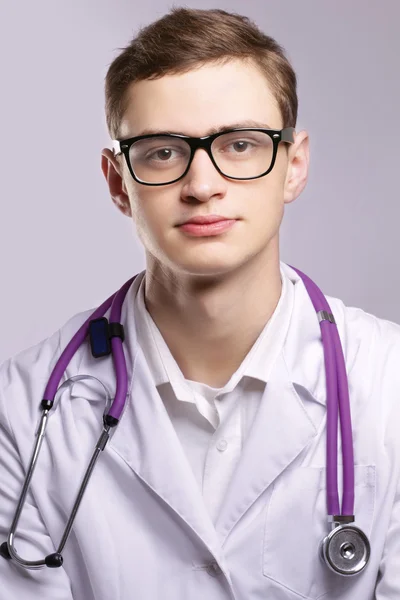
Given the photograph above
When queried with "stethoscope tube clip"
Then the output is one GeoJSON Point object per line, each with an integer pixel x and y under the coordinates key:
{"type": "Point", "coordinates": [336, 520]}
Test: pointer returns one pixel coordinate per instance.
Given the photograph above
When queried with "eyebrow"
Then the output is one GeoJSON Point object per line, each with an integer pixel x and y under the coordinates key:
{"type": "Point", "coordinates": [218, 129]}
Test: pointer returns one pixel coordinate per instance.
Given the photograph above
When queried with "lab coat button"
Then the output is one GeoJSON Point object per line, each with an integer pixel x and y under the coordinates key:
{"type": "Point", "coordinates": [214, 569]}
{"type": "Point", "coordinates": [222, 445]}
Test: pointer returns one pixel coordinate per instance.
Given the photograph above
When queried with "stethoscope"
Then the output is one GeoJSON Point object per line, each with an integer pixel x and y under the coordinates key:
{"type": "Point", "coordinates": [345, 550]}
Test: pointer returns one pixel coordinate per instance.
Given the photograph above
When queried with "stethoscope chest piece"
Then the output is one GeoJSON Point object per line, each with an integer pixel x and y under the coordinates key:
{"type": "Point", "coordinates": [346, 550]}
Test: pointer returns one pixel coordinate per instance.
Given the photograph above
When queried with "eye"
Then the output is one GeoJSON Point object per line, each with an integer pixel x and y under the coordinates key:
{"type": "Point", "coordinates": [158, 153]}
{"type": "Point", "coordinates": [165, 154]}
{"type": "Point", "coordinates": [240, 144]}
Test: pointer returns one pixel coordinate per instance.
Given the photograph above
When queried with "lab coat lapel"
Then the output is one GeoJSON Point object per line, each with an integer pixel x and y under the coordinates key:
{"type": "Point", "coordinates": [282, 428]}
{"type": "Point", "coordinates": [290, 412]}
{"type": "Point", "coordinates": [145, 437]}
{"type": "Point", "coordinates": [146, 440]}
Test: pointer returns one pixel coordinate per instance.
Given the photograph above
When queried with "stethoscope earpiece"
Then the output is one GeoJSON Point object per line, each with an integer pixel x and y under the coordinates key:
{"type": "Point", "coordinates": [346, 550]}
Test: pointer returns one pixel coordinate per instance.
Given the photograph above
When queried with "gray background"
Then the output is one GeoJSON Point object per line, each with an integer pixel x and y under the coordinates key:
{"type": "Point", "coordinates": [65, 247]}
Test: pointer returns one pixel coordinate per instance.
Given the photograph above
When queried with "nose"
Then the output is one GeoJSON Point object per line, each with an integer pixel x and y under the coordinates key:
{"type": "Point", "coordinates": [202, 157]}
{"type": "Point", "coordinates": [203, 181]}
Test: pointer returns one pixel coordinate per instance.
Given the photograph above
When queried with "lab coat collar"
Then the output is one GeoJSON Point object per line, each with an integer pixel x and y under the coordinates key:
{"type": "Point", "coordinates": [257, 364]}
{"type": "Point", "coordinates": [302, 344]}
{"type": "Point", "coordinates": [302, 348]}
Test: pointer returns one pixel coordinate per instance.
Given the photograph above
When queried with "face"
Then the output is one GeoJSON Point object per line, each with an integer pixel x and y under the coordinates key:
{"type": "Point", "coordinates": [193, 104]}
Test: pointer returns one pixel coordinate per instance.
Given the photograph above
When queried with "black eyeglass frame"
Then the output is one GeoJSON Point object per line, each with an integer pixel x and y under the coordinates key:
{"type": "Point", "coordinates": [277, 135]}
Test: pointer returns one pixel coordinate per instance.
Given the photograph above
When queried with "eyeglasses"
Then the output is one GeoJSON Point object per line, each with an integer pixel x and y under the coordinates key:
{"type": "Point", "coordinates": [236, 153]}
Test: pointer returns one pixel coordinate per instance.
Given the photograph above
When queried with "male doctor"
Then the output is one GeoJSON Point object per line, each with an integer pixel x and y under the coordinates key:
{"type": "Point", "coordinates": [213, 484]}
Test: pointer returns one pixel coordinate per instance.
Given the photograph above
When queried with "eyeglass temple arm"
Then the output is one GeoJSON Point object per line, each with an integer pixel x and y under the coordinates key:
{"type": "Point", "coordinates": [116, 147]}
{"type": "Point", "coordinates": [287, 134]}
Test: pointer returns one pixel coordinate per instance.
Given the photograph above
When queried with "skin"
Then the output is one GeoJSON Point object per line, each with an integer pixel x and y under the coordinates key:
{"type": "Point", "coordinates": [194, 287]}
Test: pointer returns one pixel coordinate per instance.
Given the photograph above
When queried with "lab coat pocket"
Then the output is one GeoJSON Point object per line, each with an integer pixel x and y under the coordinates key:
{"type": "Point", "coordinates": [296, 523]}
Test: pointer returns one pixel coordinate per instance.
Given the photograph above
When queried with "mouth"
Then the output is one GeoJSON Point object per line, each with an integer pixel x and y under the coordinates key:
{"type": "Point", "coordinates": [207, 229]}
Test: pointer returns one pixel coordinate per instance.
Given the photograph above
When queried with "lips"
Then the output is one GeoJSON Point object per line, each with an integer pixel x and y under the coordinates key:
{"type": "Point", "coordinates": [208, 229]}
{"type": "Point", "coordinates": [206, 220]}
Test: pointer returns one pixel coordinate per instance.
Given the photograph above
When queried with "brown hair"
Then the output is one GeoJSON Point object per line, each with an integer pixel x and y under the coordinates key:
{"type": "Point", "coordinates": [185, 39]}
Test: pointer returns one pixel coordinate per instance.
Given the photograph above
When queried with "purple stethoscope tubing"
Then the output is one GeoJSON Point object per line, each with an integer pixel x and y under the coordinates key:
{"type": "Point", "coordinates": [115, 301]}
{"type": "Point", "coordinates": [338, 402]}
{"type": "Point", "coordinates": [110, 420]}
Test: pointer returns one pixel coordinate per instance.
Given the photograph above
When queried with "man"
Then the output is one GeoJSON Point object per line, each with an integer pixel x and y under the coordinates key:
{"type": "Point", "coordinates": [214, 482]}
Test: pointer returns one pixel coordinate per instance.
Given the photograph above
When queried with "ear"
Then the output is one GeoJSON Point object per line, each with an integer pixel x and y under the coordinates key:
{"type": "Point", "coordinates": [113, 173]}
{"type": "Point", "coordinates": [297, 170]}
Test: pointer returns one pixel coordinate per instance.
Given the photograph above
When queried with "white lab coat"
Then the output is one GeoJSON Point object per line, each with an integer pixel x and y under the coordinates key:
{"type": "Point", "coordinates": [143, 531]}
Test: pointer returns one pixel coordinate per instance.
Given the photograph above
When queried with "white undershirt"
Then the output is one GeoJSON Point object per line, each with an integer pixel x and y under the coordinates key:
{"type": "Point", "coordinates": [212, 424]}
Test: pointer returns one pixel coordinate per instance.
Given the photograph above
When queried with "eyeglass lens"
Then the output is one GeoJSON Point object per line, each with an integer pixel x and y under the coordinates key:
{"type": "Point", "coordinates": [163, 159]}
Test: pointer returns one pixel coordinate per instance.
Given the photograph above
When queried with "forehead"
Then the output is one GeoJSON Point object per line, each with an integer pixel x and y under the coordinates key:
{"type": "Point", "coordinates": [198, 102]}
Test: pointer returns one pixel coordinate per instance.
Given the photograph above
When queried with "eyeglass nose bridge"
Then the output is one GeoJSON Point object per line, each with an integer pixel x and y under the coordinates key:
{"type": "Point", "coordinates": [204, 143]}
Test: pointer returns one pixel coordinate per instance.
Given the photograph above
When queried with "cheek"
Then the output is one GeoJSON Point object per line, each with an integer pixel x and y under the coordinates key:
{"type": "Point", "coordinates": [266, 198]}
{"type": "Point", "coordinates": [150, 213]}
{"type": "Point", "coordinates": [266, 222]}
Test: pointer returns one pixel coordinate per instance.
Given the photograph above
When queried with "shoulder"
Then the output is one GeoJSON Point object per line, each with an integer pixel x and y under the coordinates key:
{"type": "Point", "coordinates": [358, 329]}
{"type": "Point", "coordinates": [23, 376]}
{"type": "Point", "coordinates": [361, 330]}
{"type": "Point", "coordinates": [371, 346]}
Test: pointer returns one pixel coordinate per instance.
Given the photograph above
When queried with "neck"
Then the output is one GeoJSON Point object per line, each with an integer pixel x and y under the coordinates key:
{"type": "Point", "coordinates": [211, 323]}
